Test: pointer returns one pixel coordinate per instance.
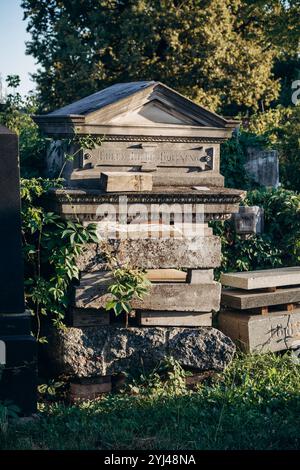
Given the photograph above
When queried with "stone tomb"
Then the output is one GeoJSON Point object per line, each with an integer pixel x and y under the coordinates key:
{"type": "Point", "coordinates": [145, 129]}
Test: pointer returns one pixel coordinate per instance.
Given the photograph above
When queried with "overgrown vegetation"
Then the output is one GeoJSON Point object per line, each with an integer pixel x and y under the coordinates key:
{"type": "Point", "coordinates": [51, 246]}
{"type": "Point", "coordinates": [254, 404]}
{"type": "Point", "coordinates": [279, 245]}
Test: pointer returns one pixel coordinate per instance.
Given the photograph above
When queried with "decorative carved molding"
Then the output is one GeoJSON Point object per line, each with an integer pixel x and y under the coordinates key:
{"type": "Point", "coordinates": [153, 198]}
{"type": "Point", "coordinates": [158, 138]}
{"type": "Point", "coordinates": [94, 217]}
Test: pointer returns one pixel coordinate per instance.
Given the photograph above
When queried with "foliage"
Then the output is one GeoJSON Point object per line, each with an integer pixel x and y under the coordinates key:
{"type": "Point", "coordinates": [277, 128]}
{"type": "Point", "coordinates": [128, 284]}
{"type": "Point", "coordinates": [51, 246]}
{"type": "Point", "coordinates": [49, 390]}
{"type": "Point", "coordinates": [15, 113]}
{"type": "Point", "coordinates": [234, 157]}
{"type": "Point", "coordinates": [220, 53]}
{"type": "Point", "coordinates": [281, 128]}
{"type": "Point", "coordinates": [167, 379]}
{"type": "Point", "coordinates": [279, 245]}
{"type": "Point", "coordinates": [254, 404]}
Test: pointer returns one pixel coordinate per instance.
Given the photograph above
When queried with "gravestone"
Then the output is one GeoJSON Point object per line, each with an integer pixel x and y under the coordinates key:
{"type": "Point", "coordinates": [18, 347]}
{"type": "Point", "coordinates": [146, 130]}
{"type": "Point", "coordinates": [263, 166]}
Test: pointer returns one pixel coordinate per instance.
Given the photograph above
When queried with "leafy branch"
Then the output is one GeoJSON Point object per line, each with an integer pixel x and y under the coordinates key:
{"type": "Point", "coordinates": [128, 284]}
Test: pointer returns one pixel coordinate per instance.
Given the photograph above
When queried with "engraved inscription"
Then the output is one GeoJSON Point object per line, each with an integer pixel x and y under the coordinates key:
{"type": "Point", "coordinates": [200, 157]}
{"type": "Point", "coordinates": [290, 330]}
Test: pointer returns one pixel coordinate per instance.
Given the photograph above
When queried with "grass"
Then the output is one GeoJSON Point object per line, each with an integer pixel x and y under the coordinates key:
{"type": "Point", "coordinates": [254, 404]}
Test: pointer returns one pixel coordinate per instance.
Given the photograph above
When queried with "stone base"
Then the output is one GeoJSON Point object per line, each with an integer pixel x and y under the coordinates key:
{"type": "Point", "coordinates": [92, 351]}
{"type": "Point", "coordinates": [18, 376]}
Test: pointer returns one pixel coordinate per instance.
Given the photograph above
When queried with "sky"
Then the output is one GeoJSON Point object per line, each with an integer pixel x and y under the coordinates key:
{"type": "Point", "coordinates": [13, 60]}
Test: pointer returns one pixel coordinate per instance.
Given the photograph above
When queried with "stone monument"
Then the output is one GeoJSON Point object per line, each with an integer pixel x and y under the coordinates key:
{"type": "Point", "coordinates": [18, 347]}
{"type": "Point", "coordinates": [159, 160]}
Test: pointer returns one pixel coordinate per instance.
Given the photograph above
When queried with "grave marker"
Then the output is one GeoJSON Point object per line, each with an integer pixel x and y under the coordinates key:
{"type": "Point", "coordinates": [18, 347]}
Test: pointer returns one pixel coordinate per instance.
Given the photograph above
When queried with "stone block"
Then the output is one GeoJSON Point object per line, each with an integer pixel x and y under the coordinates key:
{"type": "Point", "coordinates": [156, 253]}
{"type": "Point", "coordinates": [262, 333]}
{"type": "Point", "coordinates": [93, 293]}
{"type": "Point", "coordinates": [167, 318]}
{"type": "Point", "coordinates": [249, 220]}
{"type": "Point", "coordinates": [262, 279]}
{"type": "Point", "coordinates": [90, 389]}
{"type": "Point", "coordinates": [242, 300]}
{"type": "Point", "coordinates": [92, 351]}
{"type": "Point", "coordinates": [200, 276]}
{"type": "Point", "coordinates": [89, 317]}
{"type": "Point", "coordinates": [114, 181]}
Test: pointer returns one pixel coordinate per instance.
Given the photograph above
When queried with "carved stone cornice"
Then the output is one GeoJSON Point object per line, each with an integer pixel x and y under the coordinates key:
{"type": "Point", "coordinates": [83, 205]}
{"type": "Point", "coordinates": [81, 197]}
{"type": "Point", "coordinates": [157, 138]}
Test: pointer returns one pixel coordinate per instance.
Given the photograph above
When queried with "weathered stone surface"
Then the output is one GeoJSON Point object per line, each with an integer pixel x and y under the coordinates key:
{"type": "Point", "coordinates": [156, 253]}
{"type": "Point", "coordinates": [263, 166]}
{"type": "Point", "coordinates": [200, 276]}
{"type": "Point", "coordinates": [93, 293]}
{"type": "Point", "coordinates": [167, 318]}
{"type": "Point", "coordinates": [262, 333]}
{"type": "Point", "coordinates": [112, 181]}
{"type": "Point", "coordinates": [263, 278]}
{"type": "Point", "coordinates": [243, 299]}
{"type": "Point", "coordinates": [90, 351]}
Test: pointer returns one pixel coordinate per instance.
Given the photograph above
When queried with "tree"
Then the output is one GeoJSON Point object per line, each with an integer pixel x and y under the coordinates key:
{"type": "Point", "coordinates": [217, 52]}
{"type": "Point", "coordinates": [15, 113]}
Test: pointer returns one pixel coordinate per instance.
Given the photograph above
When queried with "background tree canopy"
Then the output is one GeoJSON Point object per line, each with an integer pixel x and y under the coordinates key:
{"type": "Point", "coordinates": [218, 52]}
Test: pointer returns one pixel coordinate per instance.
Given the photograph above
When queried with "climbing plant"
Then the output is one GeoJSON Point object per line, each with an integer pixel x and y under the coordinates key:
{"type": "Point", "coordinates": [51, 246]}
{"type": "Point", "coordinates": [128, 284]}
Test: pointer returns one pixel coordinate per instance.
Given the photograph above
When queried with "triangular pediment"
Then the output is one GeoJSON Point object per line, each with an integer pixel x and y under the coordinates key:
{"type": "Point", "coordinates": [150, 105]}
{"type": "Point", "coordinates": [146, 103]}
{"type": "Point", "coordinates": [151, 113]}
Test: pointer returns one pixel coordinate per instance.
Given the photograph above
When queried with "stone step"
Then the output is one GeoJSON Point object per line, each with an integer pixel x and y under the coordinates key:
{"type": "Point", "coordinates": [93, 293]}
{"type": "Point", "coordinates": [261, 279]}
{"type": "Point", "coordinates": [242, 299]}
{"type": "Point", "coordinates": [261, 333]}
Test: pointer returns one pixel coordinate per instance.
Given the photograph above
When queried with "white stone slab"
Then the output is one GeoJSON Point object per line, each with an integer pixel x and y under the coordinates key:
{"type": "Point", "coordinates": [262, 278]}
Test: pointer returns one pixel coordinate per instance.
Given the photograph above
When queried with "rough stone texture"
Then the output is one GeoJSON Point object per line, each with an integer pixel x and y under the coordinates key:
{"type": "Point", "coordinates": [90, 351]}
{"type": "Point", "coordinates": [156, 253]}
